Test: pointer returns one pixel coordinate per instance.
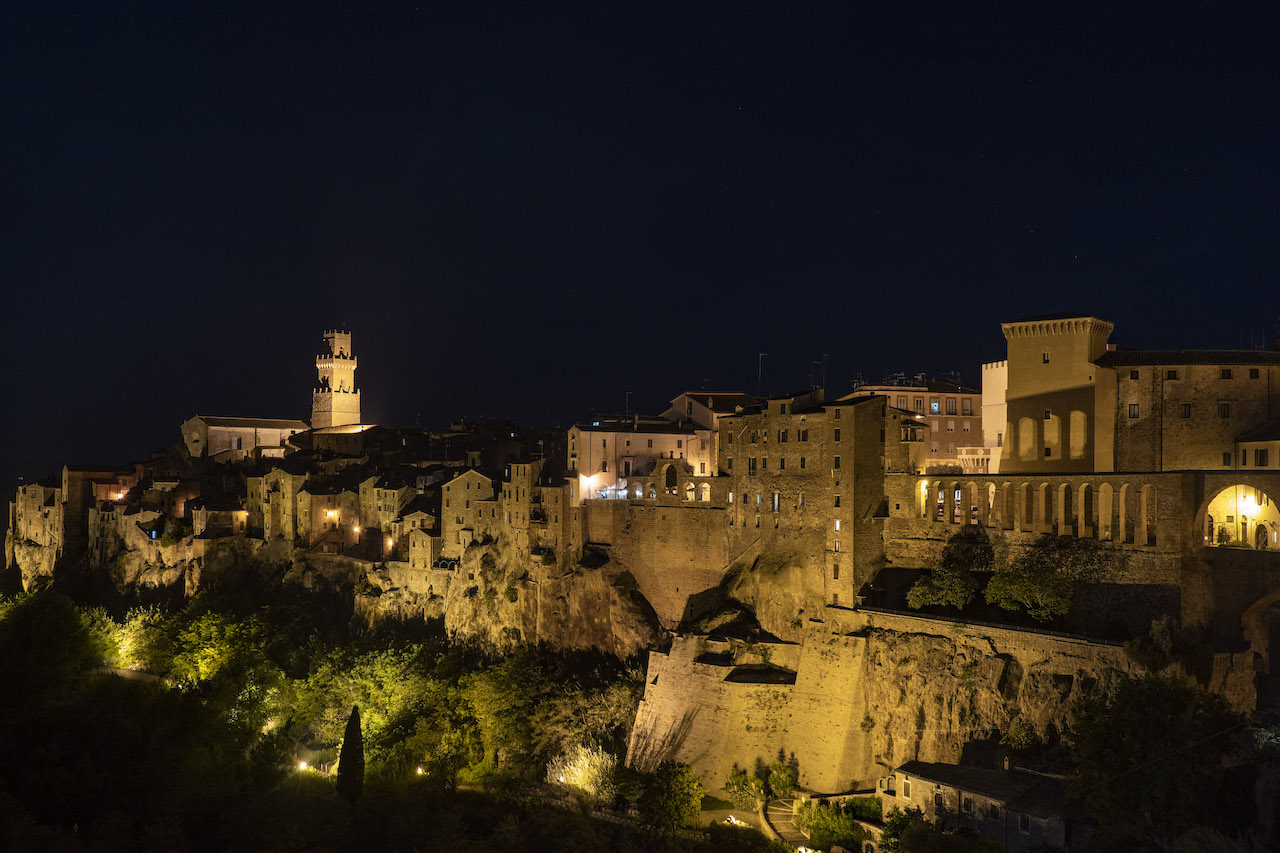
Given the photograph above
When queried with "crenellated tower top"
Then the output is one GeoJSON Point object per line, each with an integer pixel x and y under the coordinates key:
{"type": "Point", "coordinates": [335, 401]}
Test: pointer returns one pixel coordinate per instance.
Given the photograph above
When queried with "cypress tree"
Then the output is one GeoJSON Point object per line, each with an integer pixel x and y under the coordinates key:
{"type": "Point", "coordinates": [351, 760]}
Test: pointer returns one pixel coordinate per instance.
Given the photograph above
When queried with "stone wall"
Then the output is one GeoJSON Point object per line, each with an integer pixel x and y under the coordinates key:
{"type": "Point", "coordinates": [870, 693]}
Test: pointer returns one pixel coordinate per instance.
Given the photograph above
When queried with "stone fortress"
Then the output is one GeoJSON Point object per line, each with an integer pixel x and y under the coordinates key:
{"type": "Point", "coordinates": [754, 548]}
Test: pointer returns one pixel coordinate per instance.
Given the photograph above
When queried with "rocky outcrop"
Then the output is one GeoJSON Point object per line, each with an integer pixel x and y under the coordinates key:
{"type": "Point", "coordinates": [867, 696]}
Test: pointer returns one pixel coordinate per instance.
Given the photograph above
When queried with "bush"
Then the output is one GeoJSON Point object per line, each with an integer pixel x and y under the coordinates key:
{"type": "Point", "coordinates": [589, 770]}
{"type": "Point", "coordinates": [832, 824]}
{"type": "Point", "coordinates": [746, 790]}
{"type": "Point", "coordinates": [952, 584]}
{"type": "Point", "coordinates": [511, 594]}
{"type": "Point", "coordinates": [783, 776]}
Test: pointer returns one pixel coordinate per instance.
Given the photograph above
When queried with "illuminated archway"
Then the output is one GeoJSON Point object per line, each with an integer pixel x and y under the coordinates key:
{"type": "Point", "coordinates": [1241, 516]}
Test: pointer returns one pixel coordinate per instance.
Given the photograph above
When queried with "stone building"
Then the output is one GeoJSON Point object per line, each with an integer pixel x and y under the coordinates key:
{"type": "Point", "coordinates": [1075, 403]}
{"type": "Point", "coordinates": [462, 502]}
{"type": "Point", "coordinates": [806, 478]}
{"type": "Point", "coordinates": [232, 439]}
{"type": "Point", "coordinates": [951, 413]}
{"type": "Point", "coordinates": [1017, 809]}
{"type": "Point", "coordinates": [336, 399]}
{"type": "Point", "coordinates": [606, 453]}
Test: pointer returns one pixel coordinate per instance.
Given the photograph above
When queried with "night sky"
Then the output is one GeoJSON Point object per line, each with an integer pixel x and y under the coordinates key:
{"type": "Point", "coordinates": [528, 210]}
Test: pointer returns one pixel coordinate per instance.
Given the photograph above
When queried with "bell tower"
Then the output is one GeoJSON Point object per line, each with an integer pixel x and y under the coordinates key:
{"type": "Point", "coordinates": [335, 400]}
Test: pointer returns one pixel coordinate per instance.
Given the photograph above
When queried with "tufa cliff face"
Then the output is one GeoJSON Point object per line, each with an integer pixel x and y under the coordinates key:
{"type": "Point", "coordinates": [853, 701]}
{"type": "Point", "coordinates": [497, 598]}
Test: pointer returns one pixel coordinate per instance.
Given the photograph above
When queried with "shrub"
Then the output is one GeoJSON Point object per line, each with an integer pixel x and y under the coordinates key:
{"type": "Point", "coordinates": [746, 790]}
{"type": "Point", "coordinates": [828, 825]}
{"type": "Point", "coordinates": [783, 776]}
{"type": "Point", "coordinates": [1021, 735]}
{"type": "Point", "coordinates": [511, 594]}
{"type": "Point", "coordinates": [587, 769]}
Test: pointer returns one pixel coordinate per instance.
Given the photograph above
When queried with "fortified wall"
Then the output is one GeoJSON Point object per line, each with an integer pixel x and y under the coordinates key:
{"type": "Point", "coordinates": [852, 706]}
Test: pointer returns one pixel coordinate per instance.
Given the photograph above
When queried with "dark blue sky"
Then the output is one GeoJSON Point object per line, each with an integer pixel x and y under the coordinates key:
{"type": "Point", "coordinates": [528, 210]}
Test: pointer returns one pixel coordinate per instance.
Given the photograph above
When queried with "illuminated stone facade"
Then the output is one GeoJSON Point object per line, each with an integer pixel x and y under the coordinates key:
{"type": "Point", "coordinates": [336, 399]}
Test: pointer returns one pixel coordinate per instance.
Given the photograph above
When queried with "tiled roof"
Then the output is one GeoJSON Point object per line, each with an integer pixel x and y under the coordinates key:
{"type": "Point", "coordinates": [1160, 357]}
{"type": "Point", "coordinates": [1266, 432]}
{"type": "Point", "coordinates": [254, 423]}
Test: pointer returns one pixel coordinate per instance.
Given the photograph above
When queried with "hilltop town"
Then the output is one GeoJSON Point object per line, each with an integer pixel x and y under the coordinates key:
{"type": "Point", "coordinates": [771, 557]}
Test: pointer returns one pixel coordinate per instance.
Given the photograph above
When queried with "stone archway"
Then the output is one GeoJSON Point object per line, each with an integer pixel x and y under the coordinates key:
{"type": "Point", "coordinates": [1239, 515]}
{"type": "Point", "coordinates": [670, 479]}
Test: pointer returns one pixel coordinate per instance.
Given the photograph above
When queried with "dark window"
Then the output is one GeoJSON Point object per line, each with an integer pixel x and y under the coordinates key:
{"type": "Point", "coordinates": [1260, 458]}
{"type": "Point", "coordinates": [1133, 374]}
{"type": "Point", "coordinates": [836, 434]}
{"type": "Point", "coordinates": [1171, 374]}
{"type": "Point", "coordinates": [1226, 373]}
{"type": "Point", "coordinates": [782, 408]}
{"type": "Point", "coordinates": [1186, 410]}
{"type": "Point", "coordinates": [1254, 374]}
{"type": "Point", "coordinates": [1024, 823]}
{"type": "Point", "coordinates": [951, 405]}
{"type": "Point", "coordinates": [782, 464]}
{"type": "Point", "coordinates": [1244, 458]}
{"type": "Point", "coordinates": [651, 442]}
{"type": "Point", "coordinates": [1047, 452]}
{"type": "Point", "coordinates": [835, 462]}
{"type": "Point", "coordinates": [1045, 358]}
{"type": "Point", "coordinates": [966, 804]}
{"type": "Point", "coordinates": [837, 501]}
{"type": "Point", "coordinates": [751, 466]}
{"type": "Point", "coordinates": [729, 462]}
{"type": "Point", "coordinates": [1224, 410]}
{"type": "Point", "coordinates": [1133, 410]}
{"type": "Point", "coordinates": [835, 573]}
{"type": "Point", "coordinates": [801, 463]}
{"type": "Point", "coordinates": [1047, 414]}
{"type": "Point", "coordinates": [1226, 459]}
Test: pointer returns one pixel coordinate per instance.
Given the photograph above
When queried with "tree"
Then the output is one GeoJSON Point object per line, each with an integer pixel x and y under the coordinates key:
{"type": "Point", "coordinates": [910, 831]}
{"type": "Point", "coordinates": [351, 760]}
{"type": "Point", "coordinates": [671, 797]}
{"type": "Point", "coordinates": [952, 583]}
{"type": "Point", "coordinates": [1042, 580]}
{"type": "Point", "coordinates": [1149, 759]}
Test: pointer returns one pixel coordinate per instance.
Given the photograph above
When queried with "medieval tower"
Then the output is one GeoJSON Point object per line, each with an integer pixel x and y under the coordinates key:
{"type": "Point", "coordinates": [336, 400]}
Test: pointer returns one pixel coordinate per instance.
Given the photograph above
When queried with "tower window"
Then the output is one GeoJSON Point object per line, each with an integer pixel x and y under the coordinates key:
{"type": "Point", "coordinates": [1186, 410]}
{"type": "Point", "coordinates": [1044, 358]}
{"type": "Point", "coordinates": [1133, 411]}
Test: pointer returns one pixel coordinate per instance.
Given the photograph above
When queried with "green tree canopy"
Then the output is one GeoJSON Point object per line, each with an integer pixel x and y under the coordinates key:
{"type": "Point", "coordinates": [1042, 580]}
{"type": "Point", "coordinates": [671, 797]}
{"type": "Point", "coordinates": [952, 583]}
{"type": "Point", "coordinates": [1149, 760]}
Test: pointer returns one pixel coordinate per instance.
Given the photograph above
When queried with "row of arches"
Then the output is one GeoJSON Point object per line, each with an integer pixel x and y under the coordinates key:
{"type": "Point", "coordinates": [1084, 510]}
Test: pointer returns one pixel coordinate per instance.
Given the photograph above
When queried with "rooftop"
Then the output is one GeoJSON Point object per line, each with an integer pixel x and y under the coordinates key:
{"type": "Point", "coordinates": [1266, 432]}
{"type": "Point", "coordinates": [1160, 357]}
{"type": "Point", "coordinates": [1019, 790]}
{"type": "Point", "coordinates": [259, 423]}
